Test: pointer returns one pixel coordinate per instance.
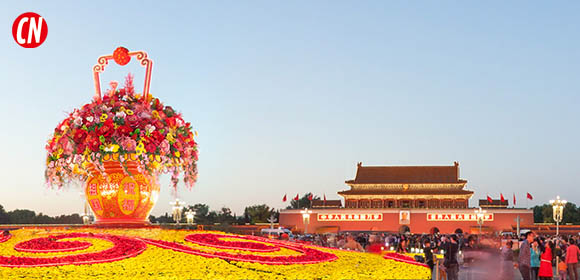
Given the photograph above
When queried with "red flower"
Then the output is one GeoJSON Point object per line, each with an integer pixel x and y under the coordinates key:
{"type": "Point", "coordinates": [80, 135]}
{"type": "Point", "coordinates": [124, 130]}
{"type": "Point", "coordinates": [108, 128]}
{"type": "Point", "coordinates": [171, 122]}
{"type": "Point", "coordinates": [151, 147]}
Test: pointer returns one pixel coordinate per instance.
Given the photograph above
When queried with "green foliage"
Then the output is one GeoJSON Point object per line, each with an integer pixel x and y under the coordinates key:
{"type": "Point", "coordinates": [4, 219]}
{"type": "Point", "coordinates": [302, 202]}
{"type": "Point", "coordinates": [543, 214]}
{"type": "Point", "coordinates": [24, 216]}
{"type": "Point", "coordinates": [259, 213]}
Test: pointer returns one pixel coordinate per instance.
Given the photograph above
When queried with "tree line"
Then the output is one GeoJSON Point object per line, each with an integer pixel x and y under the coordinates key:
{"type": "Point", "coordinates": [24, 216]}
{"type": "Point", "coordinates": [543, 214]}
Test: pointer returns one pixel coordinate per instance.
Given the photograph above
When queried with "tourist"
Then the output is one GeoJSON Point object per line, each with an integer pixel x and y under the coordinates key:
{"type": "Point", "coordinates": [572, 253]}
{"type": "Point", "coordinates": [375, 244]}
{"type": "Point", "coordinates": [352, 245]}
{"type": "Point", "coordinates": [545, 272]}
{"type": "Point", "coordinates": [535, 259]}
{"type": "Point", "coordinates": [450, 261]}
{"type": "Point", "coordinates": [428, 250]}
{"type": "Point", "coordinates": [507, 261]}
{"type": "Point", "coordinates": [402, 247]}
{"type": "Point", "coordinates": [562, 268]}
{"type": "Point", "coordinates": [524, 257]}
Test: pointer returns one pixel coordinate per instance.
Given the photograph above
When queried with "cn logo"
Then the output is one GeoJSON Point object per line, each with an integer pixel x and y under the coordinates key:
{"type": "Point", "coordinates": [29, 30]}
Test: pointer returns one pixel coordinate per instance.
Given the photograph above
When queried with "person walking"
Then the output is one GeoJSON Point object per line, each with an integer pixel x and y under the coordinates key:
{"type": "Point", "coordinates": [352, 245]}
{"type": "Point", "coordinates": [546, 257]}
{"type": "Point", "coordinates": [450, 262]}
{"type": "Point", "coordinates": [572, 253]}
{"type": "Point", "coordinates": [535, 259]}
{"type": "Point", "coordinates": [524, 257]}
{"type": "Point", "coordinates": [429, 254]}
{"type": "Point", "coordinates": [562, 269]}
{"type": "Point", "coordinates": [403, 247]}
{"type": "Point", "coordinates": [507, 261]}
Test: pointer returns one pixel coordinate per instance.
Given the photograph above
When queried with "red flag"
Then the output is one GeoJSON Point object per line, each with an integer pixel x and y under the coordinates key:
{"type": "Point", "coordinates": [489, 199]}
{"type": "Point", "coordinates": [284, 198]}
{"type": "Point", "coordinates": [501, 197]}
{"type": "Point", "coordinates": [514, 199]}
{"type": "Point", "coordinates": [296, 198]}
{"type": "Point", "coordinates": [310, 197]}
{"type": "Point", "coordinates": [530, 197]}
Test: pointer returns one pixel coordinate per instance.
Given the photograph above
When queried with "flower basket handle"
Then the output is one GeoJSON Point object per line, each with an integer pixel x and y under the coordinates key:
{"type": "Point", "coordinates": [122, 56]}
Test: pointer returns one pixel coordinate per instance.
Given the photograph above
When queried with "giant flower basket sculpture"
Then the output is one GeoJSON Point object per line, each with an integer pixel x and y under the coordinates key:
{"type": "Point", "coordinates": [119, 144]}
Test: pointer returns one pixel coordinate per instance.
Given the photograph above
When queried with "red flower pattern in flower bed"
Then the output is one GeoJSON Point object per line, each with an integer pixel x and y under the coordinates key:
{"type": "Point", "coordinates": [307, 256]}
{"type": "Point", "coordinates": [4, 238]}
{"type": "Point", "coordinates": [403, 258]}
{"type": "Point", "coordinates": [213, 240]}
{"type": "Point", "coordinates": [124, 247]}
{"type": "Point", "coordinates": [50, 244]}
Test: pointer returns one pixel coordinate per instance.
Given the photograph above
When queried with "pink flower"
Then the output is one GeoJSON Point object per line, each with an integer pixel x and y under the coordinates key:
{"type": "Point", "coordinates": [164, 146]}
{"type": "Point", "coordinates": [128, 144]}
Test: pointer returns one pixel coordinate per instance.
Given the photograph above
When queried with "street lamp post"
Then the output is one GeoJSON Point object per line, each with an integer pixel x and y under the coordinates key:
{"type": "Point", "coordinates": [86, 215]}
{"type": "Point", "coordinates": [480, 217]}
{"type": "Point", "coordinates": [306, 218]}
{"type": "Point", "coordinates": [558, 212]}
{"type": "Point", "coordinates": [272, 220]}
{"type": "Point", "coordinates": [189, 215]}
{"type": "Point", "coordinates": [177, 206]}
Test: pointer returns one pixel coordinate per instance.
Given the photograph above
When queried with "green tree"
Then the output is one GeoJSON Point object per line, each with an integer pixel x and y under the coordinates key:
{"type": "Point", "coordinates": [4, 218]}
{"type": "Point", "coordinates": [544, 214]}
{"type": "Point", "coordinates": [259, 213]}
{"type": "Point", "coordinates": [224, 216]}
{"type": "Point", "coordinates": [302, 202]}
{"type": "Point", "coordinates": [202, 214]}
{"type": "Point", "coordinates": [22, 216]}
{"type": "Point", "coordinates": [538, 214]}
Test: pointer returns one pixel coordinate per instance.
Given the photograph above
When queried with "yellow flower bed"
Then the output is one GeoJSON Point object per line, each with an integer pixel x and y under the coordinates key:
{"type": "Point", "coordinates": [162, 263]}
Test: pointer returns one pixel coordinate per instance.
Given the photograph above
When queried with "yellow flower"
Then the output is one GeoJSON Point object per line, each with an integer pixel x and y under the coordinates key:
{"type": "Point", "coordinates": [155, 114]}
{"type": "Point", "coordinates": [112, 148]}
{"type": "Point", "coordinates": [76, 169]}
{"type": "Point", "coordinates": [177, 154]}
{"type": "Point", "coordinates": [140, 149]}
{"type": "Point", "coordinates": [129, 112]}
{"type": "Point", "coordinates": [170, 137]}
{"type": "Point", "coordinates": [158, 263]}
{"type": "Point", "coordinates": [104, 117]}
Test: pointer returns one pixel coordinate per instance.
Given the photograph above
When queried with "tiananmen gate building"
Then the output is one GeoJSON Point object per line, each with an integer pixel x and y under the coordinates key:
{"type": "Point", "coordinates": [419, 199]}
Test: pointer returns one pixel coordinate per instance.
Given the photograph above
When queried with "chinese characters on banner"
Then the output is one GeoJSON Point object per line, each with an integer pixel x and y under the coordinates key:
{"type": "Point", "coordinates": [451, 217]}
{"type": "Point", "coordinates": [349, 217]}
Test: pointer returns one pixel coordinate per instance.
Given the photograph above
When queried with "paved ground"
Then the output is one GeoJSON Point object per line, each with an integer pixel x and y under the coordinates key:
{"type": "Point", "coordinates": [486, 273]}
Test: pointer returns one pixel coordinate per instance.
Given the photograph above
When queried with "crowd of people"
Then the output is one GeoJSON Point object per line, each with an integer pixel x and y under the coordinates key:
{"type": "Point", "coordinates": [539, 255]}
{"type": "Point", "coordinates": [533, 256]}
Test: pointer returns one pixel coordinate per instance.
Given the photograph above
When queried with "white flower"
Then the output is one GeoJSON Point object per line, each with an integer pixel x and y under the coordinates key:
{"type": "Point", "coordinates": [150, 128]}
{"type": "Point", "coordinates": [90, 119]}
{"type": "Point", "coordinates": [120, 114]}
{"type": "Point", "coordinates": [78, 121]}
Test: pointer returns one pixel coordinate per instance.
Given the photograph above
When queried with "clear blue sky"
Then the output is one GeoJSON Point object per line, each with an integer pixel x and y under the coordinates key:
{"type": "Point", "coordinates": [288, 96]}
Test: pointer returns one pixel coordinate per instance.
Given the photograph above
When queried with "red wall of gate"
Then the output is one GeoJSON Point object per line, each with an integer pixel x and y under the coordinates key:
{"type": "Point", "coordinates": [503, 219]}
